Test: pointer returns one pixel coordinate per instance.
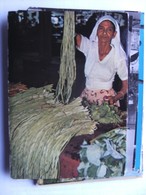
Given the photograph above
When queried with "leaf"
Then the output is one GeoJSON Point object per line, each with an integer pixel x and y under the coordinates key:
{"type": "Point", "coordinates": [91, 172]}
{"type": "Point", "coordinates": [101, 171]}
{"type": "Point", "coordinates": [94, 154]}
{"type": "Point", "coordinates": [111, 151]}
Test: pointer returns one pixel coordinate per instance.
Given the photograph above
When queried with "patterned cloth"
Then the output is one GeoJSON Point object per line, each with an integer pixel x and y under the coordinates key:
{"type": "Point", "coordinates": [98, 96]}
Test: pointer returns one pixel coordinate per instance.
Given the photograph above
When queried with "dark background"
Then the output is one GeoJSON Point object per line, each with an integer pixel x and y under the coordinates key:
{"type": "Point", "coordinates": [34, 39]}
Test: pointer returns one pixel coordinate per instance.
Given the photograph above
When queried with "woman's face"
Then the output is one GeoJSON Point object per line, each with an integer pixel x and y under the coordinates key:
{"type": "Point", "coordinates": [106, 31]}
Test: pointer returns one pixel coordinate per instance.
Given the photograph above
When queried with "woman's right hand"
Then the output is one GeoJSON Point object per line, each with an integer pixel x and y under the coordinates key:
{"type": "Point", "coordinates": [78, 40]}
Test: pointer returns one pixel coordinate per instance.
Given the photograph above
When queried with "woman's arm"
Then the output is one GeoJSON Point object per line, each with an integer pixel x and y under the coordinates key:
{"type": "Point", "coordinates": [123, 90]}
{"type": "Point", "coordinates": [120, 94]}
{"type": "Point", "coordinates": [78, 40]}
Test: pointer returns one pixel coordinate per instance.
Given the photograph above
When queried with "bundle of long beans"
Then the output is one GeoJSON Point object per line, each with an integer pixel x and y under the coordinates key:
{"type": "Point", "coordinates": [40, 129]}
{"type": "Point", "coordinates": [67, 72]}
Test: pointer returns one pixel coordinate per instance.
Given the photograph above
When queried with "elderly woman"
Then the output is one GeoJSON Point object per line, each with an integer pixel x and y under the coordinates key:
{"type": "Point", "coordinates": [104, 58]}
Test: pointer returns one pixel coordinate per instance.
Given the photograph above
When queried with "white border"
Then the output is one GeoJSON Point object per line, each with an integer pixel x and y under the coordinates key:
{"type": "Point", "coordinates": [135, 186]}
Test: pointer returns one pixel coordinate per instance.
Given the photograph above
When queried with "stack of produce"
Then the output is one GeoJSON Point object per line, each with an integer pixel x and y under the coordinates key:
{"type": "Point", "coordinates": [40, 128]}
{"type": "Point", "coordinates": [105, 156]}
{"type": "Point", "coordinates": [16, 88]}
{"type": "Point", "coordinates": [106, 113]}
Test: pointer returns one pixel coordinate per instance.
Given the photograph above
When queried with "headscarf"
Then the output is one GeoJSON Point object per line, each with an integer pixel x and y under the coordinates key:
{"type": "Point", "coordinates": [115, 41]}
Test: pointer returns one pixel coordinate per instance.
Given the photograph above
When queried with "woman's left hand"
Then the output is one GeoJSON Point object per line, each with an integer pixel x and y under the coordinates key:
{"type": "Point", "coordinates": [110, 99]}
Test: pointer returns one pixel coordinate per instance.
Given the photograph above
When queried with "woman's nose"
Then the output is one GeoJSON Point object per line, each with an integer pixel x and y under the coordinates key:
{"type": "Point", "coordinates": [104, 31]}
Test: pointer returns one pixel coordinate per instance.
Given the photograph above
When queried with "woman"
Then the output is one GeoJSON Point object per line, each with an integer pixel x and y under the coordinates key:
{"type": "Point", "coordinates": [104, 58]}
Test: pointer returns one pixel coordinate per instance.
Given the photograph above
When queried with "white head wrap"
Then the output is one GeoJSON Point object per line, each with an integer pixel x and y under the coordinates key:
{"type": "Point", "coordinates": [115, 41]}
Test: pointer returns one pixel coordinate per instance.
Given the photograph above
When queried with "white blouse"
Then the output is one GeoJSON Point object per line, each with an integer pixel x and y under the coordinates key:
{"type": "Point", "coordinates": [101, 74]}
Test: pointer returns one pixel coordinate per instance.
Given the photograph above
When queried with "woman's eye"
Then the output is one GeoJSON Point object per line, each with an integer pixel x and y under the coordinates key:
{"type": "Point", "coordinates": [110, 30]}
{"type": "Point", "coordinates": [100, 29]}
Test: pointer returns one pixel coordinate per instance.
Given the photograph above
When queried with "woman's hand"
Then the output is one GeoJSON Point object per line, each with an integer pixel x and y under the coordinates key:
{"type": "Point", "coordinates": [78, 40]}
{"type": "Point", "coordinates": [120, 95]}
{"type": "Point", "coordinates": [110, 99]}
